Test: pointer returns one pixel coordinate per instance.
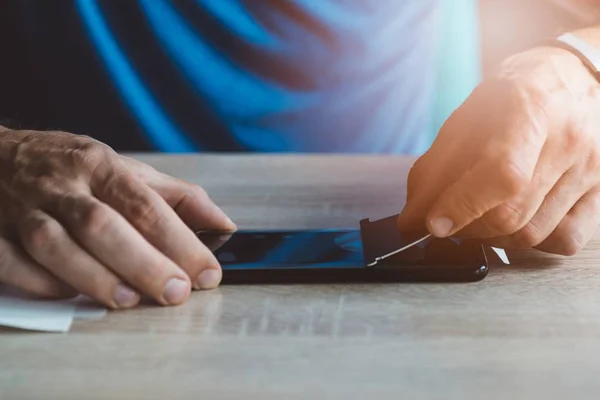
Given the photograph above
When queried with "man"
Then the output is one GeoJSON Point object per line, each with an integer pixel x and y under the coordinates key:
{"type": "Point", "coordinates": [518, 164]}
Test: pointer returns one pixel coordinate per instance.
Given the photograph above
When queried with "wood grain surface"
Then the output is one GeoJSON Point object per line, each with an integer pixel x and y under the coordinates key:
{"type": "Point", "coordinates": [528, 331]}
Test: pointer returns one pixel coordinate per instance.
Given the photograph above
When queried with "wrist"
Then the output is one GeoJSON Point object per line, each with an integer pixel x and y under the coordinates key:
{"type": "Point", "coordinates": [580, 61]}
{"type": "Point", "coordinates": [549, 68]}
{"type": "Point", "coordinates": [551, 79]}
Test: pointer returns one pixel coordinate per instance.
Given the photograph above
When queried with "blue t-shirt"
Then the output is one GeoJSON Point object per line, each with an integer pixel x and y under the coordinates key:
{"type": "Point", "coordinates": [349, 76]}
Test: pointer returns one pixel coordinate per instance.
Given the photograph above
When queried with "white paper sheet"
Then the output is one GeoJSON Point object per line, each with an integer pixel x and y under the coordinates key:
{"type": "Point", "coordinates": [41, 323]}
{"type": "Point", "coordinates": [17, 310]}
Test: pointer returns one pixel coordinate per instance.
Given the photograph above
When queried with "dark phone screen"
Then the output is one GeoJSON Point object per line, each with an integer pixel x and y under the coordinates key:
{"type": "Point", "coordinates": [286, 249]}
{"type": "Point", "coordinates": [328, 249]}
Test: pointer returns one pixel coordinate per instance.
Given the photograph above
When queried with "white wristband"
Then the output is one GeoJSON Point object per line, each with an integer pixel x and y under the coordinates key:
{"type": "Point", "coordinates": [588, 54]}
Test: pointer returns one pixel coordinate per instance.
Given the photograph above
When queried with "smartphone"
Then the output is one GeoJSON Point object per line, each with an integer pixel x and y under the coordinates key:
{"type": "Point", "coordinates": [337, 256]}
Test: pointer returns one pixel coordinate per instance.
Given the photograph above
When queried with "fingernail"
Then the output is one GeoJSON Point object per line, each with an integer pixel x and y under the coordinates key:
{"type": "Point", "coordinates": [209, 279]}
{"type": "Point", "coordinates": [230, 224]}
{"type": "Point", "coordinates": [125, 297]}
{"type": "Point", "coordinates": [441, 227]}
{"type": "Point", "coordinates": [176, 290]}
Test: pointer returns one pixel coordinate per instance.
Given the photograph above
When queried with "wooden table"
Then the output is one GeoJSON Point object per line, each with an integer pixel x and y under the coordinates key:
{"type": "Point", "coordinates": [528, 331]}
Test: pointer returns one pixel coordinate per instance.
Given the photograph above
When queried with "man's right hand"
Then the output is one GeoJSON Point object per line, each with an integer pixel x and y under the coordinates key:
{"type": "Point", "coordinates": [76, 217]}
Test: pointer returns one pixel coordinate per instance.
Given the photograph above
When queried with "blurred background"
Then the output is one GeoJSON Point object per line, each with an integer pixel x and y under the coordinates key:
{"type": "Point", "coordinates": [134, 74]}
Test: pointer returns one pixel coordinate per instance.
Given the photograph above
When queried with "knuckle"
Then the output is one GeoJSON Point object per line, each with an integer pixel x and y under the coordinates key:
{"type": "Point", "coordinates": [143, 214]}
{"type": "Point", "coordinates": [512, 178]}
{"type": "Point", "coordinates": [506, 219]}
{"type": "Point", "coordinates": [519, 90]}
{"type": "Point", "coordinates": [138, 167]}
{"type": "Point", "coordinates": [89, 153]}
{"type": "Point", "coordinates": [529, 236]}
{"type": "Point", "coordinates": [46, 186]}
{"type": "Point", "coordinates": [525, 91]}
{"type": "Point", "coordinates": [91, 217]}
{"type": "Point", "coordinates": [117, 185]}
{"type": "Point", "coordinates": [41, 233]}
{"type": "Point", "coordinates": [463, 205]}
{"type": "Point", "coordinates": [575, 138]}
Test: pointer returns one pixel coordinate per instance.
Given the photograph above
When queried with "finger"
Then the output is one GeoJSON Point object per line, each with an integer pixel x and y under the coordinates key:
{"type": "Point", "coordinates": [214, 241]}
{"type": "Point", "coordinates": [438, 167]}
{"type": "Point", "coordinates": [51, 246]}
{"type": "Point", "coordinates": [430, 176]}
{"type": "Point", "coordinates": [555, 206]}
{"type": "Point", "coordinates": [548, 183]}
{"type": "Point", "coordinates": [107, 236]}
{"type": "Point", "coordinates": [160, 225]}
{"type": "Point", "coordinates": [190, 201]}
{"type": "Point", "coordinates": [193, 205]}
{"type": "Point", "coordinates": [20, 271]}
{"type": "Point", "coordinates": [475, 194]}
{"type": "Point", "coordinates": [577, 228]}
